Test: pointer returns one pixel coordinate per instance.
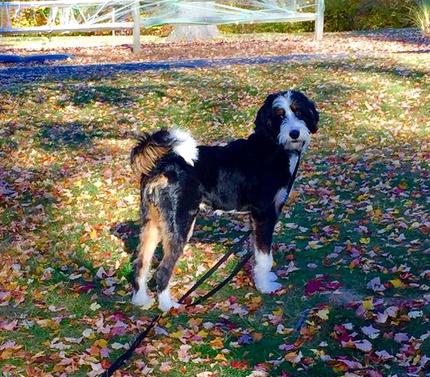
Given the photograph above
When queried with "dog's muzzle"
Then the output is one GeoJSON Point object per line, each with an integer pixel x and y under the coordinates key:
{"type": "Point", "coordinates": [294, 137]}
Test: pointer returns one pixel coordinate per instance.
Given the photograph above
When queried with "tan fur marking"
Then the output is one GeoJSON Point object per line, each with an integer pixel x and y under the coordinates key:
{"type": "Point", "coordinates": [160, 181]}
{"type": "Point", "coordinates": [148, 240]}
{"type": "Point", "coordinates": [146, 160]}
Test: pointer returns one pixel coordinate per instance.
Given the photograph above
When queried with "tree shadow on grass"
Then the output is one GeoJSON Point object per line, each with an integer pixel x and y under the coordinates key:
{"type": "Point", "coordinates": [372, 66]}
{"type": "Point", "coordinates": [70, 135]}
{"type": "Point", "coordinates": [76, 135]}
{"type": "Point", "coordinates": [410, 36]}
{"type": "Point", "coordinates": [414, 52]}
{"type": "Point", "coordinates": [102, 93]}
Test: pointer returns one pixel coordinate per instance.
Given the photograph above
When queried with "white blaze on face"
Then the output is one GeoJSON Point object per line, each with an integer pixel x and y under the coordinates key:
{"type": "Point", "coordinates": [291, 123]}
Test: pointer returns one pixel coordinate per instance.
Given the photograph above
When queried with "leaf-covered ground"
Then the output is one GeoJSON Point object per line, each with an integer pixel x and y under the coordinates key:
{"type": "Point", "coordinates": [108, 49]}
{"type": "Point", "coordinates": [352, 248]}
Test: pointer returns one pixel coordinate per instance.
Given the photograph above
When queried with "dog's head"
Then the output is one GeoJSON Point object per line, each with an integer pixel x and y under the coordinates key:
{"type": "Point", "coordinates": [288, 118]}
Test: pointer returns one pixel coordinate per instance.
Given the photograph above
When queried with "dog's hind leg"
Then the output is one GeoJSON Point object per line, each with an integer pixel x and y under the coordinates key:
{"type": "Point", "coordinates": [174, 241]}
{"type": "Point", "coordinates": [179, 218]}
{"type": "Point", "coordinates": [172, 248]}
{"type": "Point", "coordinates": [263, 227]}
{"type": "Point", "coordinates": [149, 238]}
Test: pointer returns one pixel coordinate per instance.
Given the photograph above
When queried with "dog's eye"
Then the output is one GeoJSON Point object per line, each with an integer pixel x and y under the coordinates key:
{"type": "Point", "coordinates": [296, 110]}
{"type": "Point", "coordinates": [280, 112]}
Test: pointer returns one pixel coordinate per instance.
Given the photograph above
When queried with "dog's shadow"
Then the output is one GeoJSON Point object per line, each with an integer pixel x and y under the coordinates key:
{"type": "Point", "coordinates": [128, 233]}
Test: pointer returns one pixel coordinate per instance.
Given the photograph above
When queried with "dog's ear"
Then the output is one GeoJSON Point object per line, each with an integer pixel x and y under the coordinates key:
{"type": "Point", "coordinates": [262, 121]}
{"type": "Point", "coordinates": [314, 119]}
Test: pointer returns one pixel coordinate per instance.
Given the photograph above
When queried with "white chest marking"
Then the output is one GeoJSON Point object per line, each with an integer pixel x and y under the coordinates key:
{"type": "Point", "coordinates": [293, 163]}
{"type": "Point", "coordinates": [282, 194]}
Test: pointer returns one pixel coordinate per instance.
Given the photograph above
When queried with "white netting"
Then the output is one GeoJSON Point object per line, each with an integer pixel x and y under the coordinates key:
{"type": "Point", "coordinates": [226, 12]}
{"type": "Point", "coordinates": [160, 12]}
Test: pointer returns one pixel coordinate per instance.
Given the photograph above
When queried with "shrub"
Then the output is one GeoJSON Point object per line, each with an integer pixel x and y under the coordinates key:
{"type": "Point", "coordinates": [420, 16]}
{"type": "Point", "coordinates": [339, 15]}
{"type": "Point", "coordinates": [343, 15]}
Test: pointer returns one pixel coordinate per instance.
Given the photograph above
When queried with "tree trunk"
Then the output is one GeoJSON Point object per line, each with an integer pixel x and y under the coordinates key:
{"type": "Point", "coordinates": [192, 32]}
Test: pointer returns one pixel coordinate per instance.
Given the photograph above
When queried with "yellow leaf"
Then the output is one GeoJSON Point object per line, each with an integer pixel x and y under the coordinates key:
{"type": "Point", "coordinates": [278, 311]}
{"type": "Point", "coordinates": [396, 283]}
{"type": "Point", "coordinates": [377, 212]}
{"type": "Point", "coordinates": [202, 333]}
{"type": "Point", "coordinates": [365, 240]}
{"type": "Point", "coordinates": [368, 304]}
{"type": "Point", "coordinates": [177, 335]}
{"type": "Point", "coordinates": [7, 354]}
{"type": "Point", "coordinates": [102, 343]}
{"type": "Point", "coordinates": [220, 357]}
{"type": "Point", "coordinates": [323, 314]}
{"type": "Point", "coordinates": [93, 234]}
{"type": "Point", "coordinates": [217, 343]}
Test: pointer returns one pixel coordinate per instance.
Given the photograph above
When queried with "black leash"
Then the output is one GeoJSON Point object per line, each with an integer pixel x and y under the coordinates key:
{"type": "Point", "coordinates": [138, 340]}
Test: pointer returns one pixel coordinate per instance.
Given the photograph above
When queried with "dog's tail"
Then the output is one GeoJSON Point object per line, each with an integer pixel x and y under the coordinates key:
{"type": "Point", "coordinates": [152, 147]}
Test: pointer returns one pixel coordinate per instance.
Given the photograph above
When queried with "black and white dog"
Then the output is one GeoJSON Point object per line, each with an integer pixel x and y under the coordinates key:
{"type": "Point", "coordinates": [252, 175]}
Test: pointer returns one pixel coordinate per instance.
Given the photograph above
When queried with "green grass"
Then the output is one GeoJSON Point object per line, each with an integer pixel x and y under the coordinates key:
{"type": "Point", "coordinates": [361, 211]}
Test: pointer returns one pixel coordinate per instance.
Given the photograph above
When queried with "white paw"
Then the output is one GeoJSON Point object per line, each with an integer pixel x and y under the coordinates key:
{"type": "Point", "coordinates": [268, 286]}
{"type": "Point", "coordinates": [142, 299]}
{"type": "Point", "coordinates": [271, 276]}
{"type": "Point", "coordinates": [165, 302]}
{"type": "Point", "coordinates": [166, 306]}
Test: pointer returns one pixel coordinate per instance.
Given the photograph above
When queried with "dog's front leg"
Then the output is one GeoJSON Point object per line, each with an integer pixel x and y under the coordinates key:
{"type": "Point", "coordinates": [264, 278]}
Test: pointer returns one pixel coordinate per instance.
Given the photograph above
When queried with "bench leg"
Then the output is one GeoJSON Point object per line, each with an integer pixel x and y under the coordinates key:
{"type": "Point", "coordinates": [319, 22]}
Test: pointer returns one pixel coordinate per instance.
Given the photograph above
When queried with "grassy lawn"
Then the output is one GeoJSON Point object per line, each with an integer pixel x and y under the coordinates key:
{"type": "Point", "coordinates": [352, 248]}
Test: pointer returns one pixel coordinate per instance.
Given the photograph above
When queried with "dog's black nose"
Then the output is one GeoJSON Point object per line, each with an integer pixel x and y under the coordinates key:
{"type": "Point", "coordinates": [294, 134]}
